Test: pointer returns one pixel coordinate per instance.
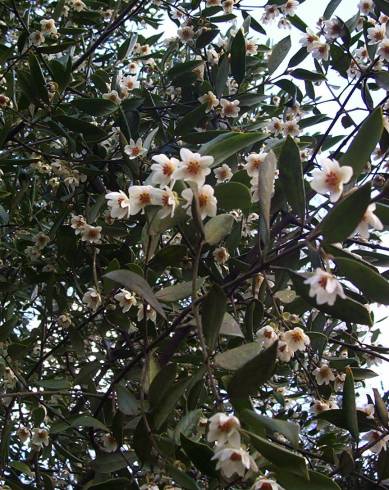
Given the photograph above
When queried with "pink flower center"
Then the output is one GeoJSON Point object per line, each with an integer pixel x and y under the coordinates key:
{"type": "Point", "coordinates": [193, 167]}
{"type": "Point", "coordinates": [332, 179]}
{"type": "Point", "coordinates": [144, 198]}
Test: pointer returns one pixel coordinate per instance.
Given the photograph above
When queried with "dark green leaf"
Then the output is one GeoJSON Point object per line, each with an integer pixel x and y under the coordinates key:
{"type": "Point", "coordinates": [330, 9]}
{"type": "Point", "coordinates": [317, 481]}
{"type": "Point", "coordinates": [212, 314]}
{"type": "Point", "coordinates": [190, 120]}
{"type": "Point", "coordinates": [348, 404]}
{"type": "Point", "coordinates": [127, 402]}
{"type": "Point", "coordinates": [95, 107]}
{"type": "Point", "coordinates": [302, 74]}
{"type": "Point", "coordinates": [238, 57]}
{"type": "Point", "coordinates": [90, 131]}
{"type": "Point", "coordinates": [200, 455]}
{"type": "Point", "coordinates": [37, 78]}
{"type": "Point", "coordinates": [233, 195]}
{"type": "Point", "coordinates": [278, 54]}
{"type": "Point", "coordinates": [236, 358]}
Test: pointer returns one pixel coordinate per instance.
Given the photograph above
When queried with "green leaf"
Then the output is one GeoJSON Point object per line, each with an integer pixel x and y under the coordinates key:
{"type": "Point", "coordinates": [132, 281]}
{"type": "Point", "coordinates": [280, 456]}
{"type": "Point", "coordinates": [37, 78]}
{"type": "Point", "coordinates": [223, 71]}
{"type": "Point", "coordinates": [54, 384]}
{"type": "Point", "coordinates": [182, 68]}
{"type": "Point", "coordinates": [330, 9]}
{"type": "Point", "coordinates": [348, 404]}
{"type": "Point", "coordinates": [278, 54]}
{"type": "Point", "coordinates": [302, 74]}
{"type": "Point", "coordinates": [90, 131]}
{"type": "Point", "coordinates": [78, 421]}
{"type": "Point", "coordinates": [169, 401]}
{"type": "Point", "coordinates": [168, 256]}
{"type": "Point", "coordinates": [364, 143]}
{"type": "Point", "coordinates": [228, 144]}
{"type": "Point", "coordinates": [347, 310]}
{"type": "Point", "coordinates": [238, 57]}
{"type": "Point", "coordinates": [234, 359]}
{"type": "Point", "coordinates": [345, 216]}
{"type": "Point", "coordinates": [371, 283]}
{"type": "Point", "coordinates": [383, 6]}
{"type": "Point", "coordinates": [127, 402]}
{"type": "Point", "coordinates": [95, 107]}
{"type": "Point", "coordinates": [317, 481]}
{"type": "Point", "coordinates": [361, 373]}
{"type": "Point", "coordinates": [255, 420]}
{"type": "Point", "coordinates": [200, 455]}
{"type": "Point", "coordinates": [291, 176]}
{"type": "Point", "coordinates": [108, 463]}
{"type": "Point", "coordinates": [190, 120]}
{"type": "Point", "coordinates": [114, 484]}
{"type": "Point", "coordinates": [212, 314]}
{"type": "Point", "coordinates": [230, 327]}
{"type": "Point", "coordinates": [218, 228]}
{"type": "Point", "coordinates": [267, 172]}
{"type": "Point", "coordinates": [179, 291]}
{"type": "Point", "coordinates": [181, 478]}
{"type": "Point", "coordinates": [233, 195]}
{"type": "Point", "coordinates": [380, 408]}
{"type": "Point", "coordinates": [247, 379]}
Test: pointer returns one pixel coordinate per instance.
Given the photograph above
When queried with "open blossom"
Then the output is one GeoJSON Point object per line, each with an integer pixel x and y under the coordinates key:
{"type": "Point", "coordinates": [379, 438]}
{"type": "Point", "coordinates": [221, 255]}
{"type": "Point", "coordinates": [365, 6]}
{"type": "Point", "coordinates": [383, 49]}
{"type": "Point", "coordinates": [224, 430]}
{"type": "Point", "coordinates": [233, 461]}
{"type": "Point", "coordinates": [325, 287]}
{"type": "Point", "coordinates": [91, 234]}
{"type": "Point", "coordinates": [119, 204]}
{"type": "Point", "coordinates": [267, 336]}
{"type": "Point", "coordinates": [39, 438]}
{"type": "Point", "coordinates": [275, 126]}
{"type": "Point", "coordinates": [324, 374]}
{"type": "Point", "coordinates": [309, 39]}
{"type": "Point", "coordinates": [228, 6]}
{"type": "Point", "coordinates": [48, 27]}
{"type": "Point", "coordinates": [212, 56]}
{"type": "Point", "coordinates": [320, 50]}
{"type": "Point", "coordinates": [64, 320]}
{"type": "Point", "coordinates": [376, 34]}
{"type": "Point", "coordinates": [291, 128]}
{"type": "Point", "coordinates": [162, 171]}
{"type": "Point", "coordinates": [110, 444]}
{"type": "Point", "coordinates": [151, 314]}
{"type": "Point", "coordinates": [41, 240]}
{"type": "Point", "coordinates": [330, 178]}
{"type": "Point", "coordinates": [289, 8]}
{"type": "Point", "coordinates": [132, 68]}
{"type": "Point", "coordinates": [125, 300]}
{"type": "Point", "coordinates": [223, 173]}
{"type": "Point", "coordinates": [113, 96]}
{"type": "Point", "coordinates": [319, 406]}
{"type": "Point", "coordinates": [140, 197]}
{"type": "Point", "coordinates": [206, 199]}
{"type": "Point", "coordinates": [296, 339]}
{"type": "Point", "coordinates": [254, 160]}
{"type": "Point", "coordinates": [210, 99]}
{"type": "Point", "coordinates": [193, 167]}
{"type": "Point", "coordinates": [37, 38]}
{"type": "Point", "coordinates": [23, 433]}
{"type": "Point", "coordinates": [251, 47]}
{"type": "Point", "coordinates": [230, 108]}
{"type": "Point", "coordinates": [214, 3]}
{"type": "Point", "coordinates": [78, 5]}
{"type": "Point", "coordinates": [186, 33]}
{"type": "Point", "coordinates": [368, 219]}
{"type": "Point", "coordinates": [135, 149]}
{"type": "Point", "coordinates": [167, 199]}
{"type": "Point", "coordinates": [266, 484]}
{"type": "Point", "coordinates": [333, 28]}
{"type": "Point", "coordinates": [284, 353]}
{"type": "Point", "coordinates": [129, 83]}
{"type": "Point", "coordinates": [92, 299]}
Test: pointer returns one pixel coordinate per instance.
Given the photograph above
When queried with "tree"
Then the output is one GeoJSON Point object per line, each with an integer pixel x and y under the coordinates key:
{"type": "Point", "coordinates": [191, 245]}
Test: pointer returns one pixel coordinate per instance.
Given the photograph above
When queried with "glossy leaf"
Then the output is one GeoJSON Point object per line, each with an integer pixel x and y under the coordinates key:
{"type": "Point", "coordinates": [233, 195]}
{"type": "Point", "coordinates": [238, 57]}
{"type": "Point", "coordinates": [278, 54]}
{"type": "Point", "coordinates": [212, 314]}
{"type": "Point", "coordinates": [200, 455]}
{"type": "Point", "coordinates": [348, 404]}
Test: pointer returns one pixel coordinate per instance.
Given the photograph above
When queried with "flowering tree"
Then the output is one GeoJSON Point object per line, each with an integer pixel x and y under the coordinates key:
{"type": "Point", "coordinates": [191, 244]}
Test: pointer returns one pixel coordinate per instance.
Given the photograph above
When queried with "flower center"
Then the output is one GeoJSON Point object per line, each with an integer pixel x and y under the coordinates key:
{"type": "Point", "coordinates": [332, 179]}
{"type": "Point", "coordinates": [193, 167]}
{"type": "Point", "coordinates": [226, 426]}
{"type": "Point", "coordinates": [266, 486]}
{"type": "Point", "coordinates": [323, 282]}
{"type": "Point", "coordinates": [297, 337]}
{"type": "Point", "coordinates": [236, 457]}
{"type": "Point", "coordinates": [167, 169]}
{"type": "Point", "coordinates": [135, 151]}
{"type": "Point", "coordinates": [203, 199]}
{"type": "Point", "coordinates": [144, 198]}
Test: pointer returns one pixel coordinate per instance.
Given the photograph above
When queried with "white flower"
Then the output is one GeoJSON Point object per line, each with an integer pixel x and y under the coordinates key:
{"type": "Point", "coordinates": [309, 39]}
{"type": "Point", "coordinates": [162, 171]}
{"type": "Point", "coordinates": [367, 409]}
{"type": "Point", "coordinates": [143, 50]}
{"type": "Point", "coordinates": [40, 438]}
{"type": "Point", "coordinates": [231, 461]}
{"type": "Point", "coordinates": [140, 197]}
{"type": "Point", "coordinates": [368, 219]}
{"type": "Point", "coordinates": [224, 430]}
{"type": "Point", "coordinates": [110, 444]}
{"type": "Point", "coordinates": [48, 27]}
{"type": "Point", "coordinates": [332, 28]}
{"type": "Point", "coordinates": [324, 374]}
{"type": "Point", "coordinates": [319, 406]}
{"type": "Point", "coordinates": [275, 126]}
{"type": "Point", "coordinates": [330, 178]}
{"type": "Point", "coordinates": [37, 38]}
{"type": "Point", "coordinates": [113, 96]}
{"type": "Point", "coordinates": [271, 12]}
{"type": "Point", "coordinates": [41, 240]}
{"type": "Point", "coordinates": [267, 336]}
{"type": "Point", "coordinates": [375, 435]}
{"type": "Point", "coordinates": [210, 99]}
{"type": "Point", "coordinates": [254, 160]}
{"type": "Point", "coordinates": [376, 34]}
{"type": "Point", "coordinates": [193, 167]}
{"type": "Point", "coordinates": [289, 8]}
{"type": "Point", "coordinates": [91, 234]}
{"type": "Point", "coordinates": [320, 51]}
{"type": "Point", "coordinates": [383, 49]}
{"type": "Point", "coordinates": [151, 314]}
{"type": "Point", "coordinates": [167, 199]}
{"type": "Point", "coordinates": [212, 56]}
{"type": "Point", "coordinates": [325, 287]}
{"type": "Point", "coordinates": [265, 483]}
{"type": "Point", "coordinates": [135, 149]}
{"type": "Point", "coordinates": [291, 128]}
{"type": "Point", "coordinates": [221, 255]}
{"type": "Point", "coordinates": [119, 204]}
{"type": "Point", "coordinates": [78, 5]}
{"type": "Point", "coordinates": [228, 6]}
{"type": "Point", "coordinates": [284, 23]}
{"type": "Point", "coordinates": [223, 173]}
{"type": "Point", "coordinates": [230, 108]}
{"type": "Point", "coordinates": [132, 68]}
{"type": "Point", "coordinates": [125, 300]}
{"type": "Point", "coordinates": [365, 6]}
{"type": "Point", "coordinates": [296, 339]}
{"type": "Point", "coordinates": [186, 33]}
{"type": "Point", "coordinates": [23, 434]}
{"type": "Point", "coordinates": [284, 354]}
{"type": "Point", "coordinates": [92, 299]}
{"type": "Point", "coordinates": [129, 83]}
{"type": "Point", "coordinates": [207, 201]}
{"type": "Point", "coordinates": [64, 320]}
{"type": "Point", "coordinates": [251, 47]}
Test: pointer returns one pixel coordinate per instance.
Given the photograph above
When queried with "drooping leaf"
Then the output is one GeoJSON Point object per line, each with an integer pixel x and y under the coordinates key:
{"type": "Point", "coordinates": [348, 404]}
{"type": "Point", "coordinates": [267, 172]}
{"type": "Point", "coordinates": [233, 195]}
{"type": "Point", "coordinates": [132, 281]}
{"type": "Point", "coordinates": [200, 455]}
{"type": "Point", "coordinates": [234, 359]}
{"type": "Point", "coordinates": [190, 120]}
{"type": "Point", "coordinates": [37, 78]}
{"type": "Point", "coordinates": [181, 290]}
{"type": "Point", "coordinates": [127, 402]}
{"type": "Point", "coordinates": [212, 314]}
{"type": "Point", "coordinates": [278, 54]}
{"type": "Point", "coordinates": [238, 57]}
